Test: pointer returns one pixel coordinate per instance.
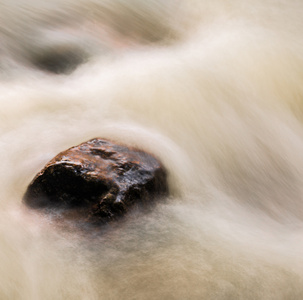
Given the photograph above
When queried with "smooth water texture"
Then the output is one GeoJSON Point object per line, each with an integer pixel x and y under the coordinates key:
{"type": "Point", "coordinates": [212, 88]}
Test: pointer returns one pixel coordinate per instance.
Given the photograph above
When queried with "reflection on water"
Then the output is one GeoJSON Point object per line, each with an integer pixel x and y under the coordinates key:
{"type": "Point", "coordinates": [214, 89]}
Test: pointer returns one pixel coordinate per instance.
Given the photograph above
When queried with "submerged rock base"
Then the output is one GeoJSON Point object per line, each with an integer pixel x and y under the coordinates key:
{"type": "Point", "coordinates": [96, 182]}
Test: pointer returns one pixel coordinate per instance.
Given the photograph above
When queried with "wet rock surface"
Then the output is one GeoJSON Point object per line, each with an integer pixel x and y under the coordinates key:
{"type": "Point", "coordinates": [96, 182]}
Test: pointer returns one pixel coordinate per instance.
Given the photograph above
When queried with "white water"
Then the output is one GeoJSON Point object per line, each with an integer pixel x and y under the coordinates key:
{"type": "Point", "coordinates": [215, 90]}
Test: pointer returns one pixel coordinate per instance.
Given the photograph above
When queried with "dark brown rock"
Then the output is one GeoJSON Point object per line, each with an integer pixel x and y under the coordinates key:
{"type": "Point", "coordinates": [97, 181]}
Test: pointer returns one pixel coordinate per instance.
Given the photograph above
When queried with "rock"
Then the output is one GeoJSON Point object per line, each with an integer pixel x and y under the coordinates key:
{"type": "Point", "coordinates": [97, 181]}
{"type": "Point", "coordinates": [60, 60]}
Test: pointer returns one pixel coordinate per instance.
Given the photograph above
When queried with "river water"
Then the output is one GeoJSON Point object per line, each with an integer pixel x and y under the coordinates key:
{"type": "Point", "coordinates": [212, 88]}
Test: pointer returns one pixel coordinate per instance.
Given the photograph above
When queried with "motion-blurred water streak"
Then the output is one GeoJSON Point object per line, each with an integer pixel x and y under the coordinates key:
{"type": "Point", "coordinates": [212, 88]}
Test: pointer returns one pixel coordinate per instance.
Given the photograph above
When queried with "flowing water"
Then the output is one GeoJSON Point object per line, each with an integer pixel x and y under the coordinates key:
{"type": "Point", "coordinates": [214, 88]}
